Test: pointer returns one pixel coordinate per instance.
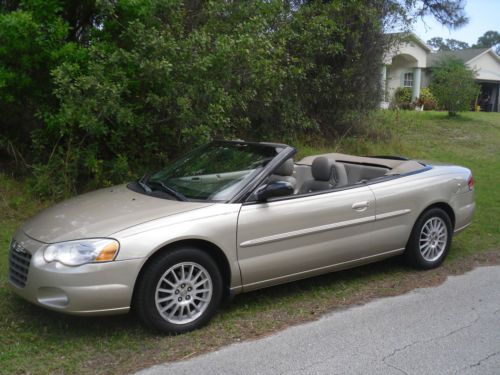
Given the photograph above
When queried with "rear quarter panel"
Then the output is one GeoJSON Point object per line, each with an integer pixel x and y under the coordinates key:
{"type": "Point", "coordinates": [399, 202]}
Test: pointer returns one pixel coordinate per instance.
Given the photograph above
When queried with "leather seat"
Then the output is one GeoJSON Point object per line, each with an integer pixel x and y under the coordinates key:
{"type": "Point", "coordinates": [340, 174]}
{"type": "Point", "coordinates": [327, 174]}
{"type": "Point", "coordinates": [284, 173]}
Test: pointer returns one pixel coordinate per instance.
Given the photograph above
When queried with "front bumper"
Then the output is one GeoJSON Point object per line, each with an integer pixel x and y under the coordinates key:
{"type": "Point", "coordinates": [90, 289]}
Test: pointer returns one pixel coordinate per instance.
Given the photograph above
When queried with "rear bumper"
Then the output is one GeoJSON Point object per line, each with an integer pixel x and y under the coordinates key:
{"type": "Point", "coordinates": [90, 289]}
{"type": "Point", "coordinates": [458, 230]}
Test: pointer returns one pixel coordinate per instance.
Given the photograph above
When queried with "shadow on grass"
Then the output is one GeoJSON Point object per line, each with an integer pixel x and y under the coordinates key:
{"type": "Point", "coordinates": [120, 344]}
{"type": "Point", "coordinates": [333, 282]}
{"type": "Point", "coordinates": [47, 323]}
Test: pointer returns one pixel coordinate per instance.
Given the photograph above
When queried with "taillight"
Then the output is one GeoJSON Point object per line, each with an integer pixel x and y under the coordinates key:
{"type": "Point", "coordinates": [470, 182]}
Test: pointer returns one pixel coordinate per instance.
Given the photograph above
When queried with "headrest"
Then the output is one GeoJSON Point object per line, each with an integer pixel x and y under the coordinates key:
{"type": "Point", "coordinates": [321, 168]}
{"type": "Point", "coordinates": [339, 175]}
{"type": "Point", "coordinates": [285, 169]}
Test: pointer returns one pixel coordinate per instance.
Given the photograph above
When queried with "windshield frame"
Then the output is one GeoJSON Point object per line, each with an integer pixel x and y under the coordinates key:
{"type": "Point", "coordinates": [255, 178]}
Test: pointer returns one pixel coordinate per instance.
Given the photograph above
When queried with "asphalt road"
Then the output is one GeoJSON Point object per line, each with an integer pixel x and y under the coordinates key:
{"type": "Point", "coordinates": [450, 329]}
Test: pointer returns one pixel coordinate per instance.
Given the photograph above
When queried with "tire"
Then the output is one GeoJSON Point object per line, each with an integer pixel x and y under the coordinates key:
{"type": "Point", "coordinates": [430, 240]}
{"type": "Point", "coordinates": [179, 291]}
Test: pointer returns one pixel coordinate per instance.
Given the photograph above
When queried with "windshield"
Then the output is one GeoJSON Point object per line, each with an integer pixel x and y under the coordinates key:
{"type": "Point", "coordinates": [216, 171]}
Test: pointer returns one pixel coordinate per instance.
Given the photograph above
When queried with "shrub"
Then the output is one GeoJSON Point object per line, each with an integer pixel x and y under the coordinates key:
{"type": "Point", "coordinates": [134, 83]}
{"type": "Point", "coordinates": [402, 98]}
{"type": "Point", "coordinates": [454, 86]}
{"type": "Point", "coordinates": [427, 99]}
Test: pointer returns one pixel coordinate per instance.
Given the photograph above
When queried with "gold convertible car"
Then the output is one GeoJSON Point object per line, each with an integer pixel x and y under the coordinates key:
{"type": "Point", "coordinates": [230, 217]}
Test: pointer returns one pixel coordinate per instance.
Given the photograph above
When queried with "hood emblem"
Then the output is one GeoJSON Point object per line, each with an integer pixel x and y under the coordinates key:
{"type": "Point", "coordinates": [17, 248]}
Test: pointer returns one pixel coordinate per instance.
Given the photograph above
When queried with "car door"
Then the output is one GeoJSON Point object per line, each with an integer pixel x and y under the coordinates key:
{"type": "Point", "coordinates": [288, 239]}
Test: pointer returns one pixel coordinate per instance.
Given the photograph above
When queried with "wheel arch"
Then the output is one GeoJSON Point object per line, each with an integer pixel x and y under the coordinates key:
{"type": "Point", "coordinates": [445, 207]}
{"type": "Point", "coordinates": [410, 252]}
{"type": "Point", "coordinates": [213, 250]}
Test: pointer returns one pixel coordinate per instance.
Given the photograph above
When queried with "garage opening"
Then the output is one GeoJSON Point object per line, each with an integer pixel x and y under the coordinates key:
{"type": "Point", "coordinates": [489, 97]}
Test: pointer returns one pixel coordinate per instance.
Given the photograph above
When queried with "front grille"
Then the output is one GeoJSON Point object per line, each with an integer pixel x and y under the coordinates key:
{"type": "Point", "coordinates": [19, 264]}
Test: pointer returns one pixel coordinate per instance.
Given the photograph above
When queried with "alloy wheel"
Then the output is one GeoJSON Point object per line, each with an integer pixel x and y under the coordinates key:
{"type": "Point", "coordinates": [433, 239]}
{"type": "Point", "coordinates": [183, 293]}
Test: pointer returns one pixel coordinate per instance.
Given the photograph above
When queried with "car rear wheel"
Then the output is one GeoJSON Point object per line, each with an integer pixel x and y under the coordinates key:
{"type": "Point", "coordinates": [430, 239]}
{"type": "Point", "coordinates": [179, 291]}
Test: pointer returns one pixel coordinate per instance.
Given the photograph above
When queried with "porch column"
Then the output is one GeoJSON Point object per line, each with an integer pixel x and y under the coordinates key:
{"type": "Point", "coordinates": [383, 78]}
{"type": "Point", "coordinates": [417, 78]}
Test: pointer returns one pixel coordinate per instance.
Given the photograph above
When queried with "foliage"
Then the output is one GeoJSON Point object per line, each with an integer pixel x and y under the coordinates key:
{"type": "Point", "coordinates": [92, 93]}
{"type": "Point", "coordinates": [440, 44]}
{"type": "Point", "coordinates": [453, 84]}
{"type": "Point", "coordinates": [449, 13]}
{"type": "Point", "coordinates": [32, 40]}
{"type": "Point", "coordinates": [489, 39]}
{"type": "Point", "coordinates": [133, 84]}
{"type": "Point", "coordinates": [427, 99]}
{"type": "Point", "coordinates": [403, 98]}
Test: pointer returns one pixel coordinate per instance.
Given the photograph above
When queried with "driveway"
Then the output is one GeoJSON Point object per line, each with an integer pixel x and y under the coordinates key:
{"type": "Point", "coordinates": [450, 329]}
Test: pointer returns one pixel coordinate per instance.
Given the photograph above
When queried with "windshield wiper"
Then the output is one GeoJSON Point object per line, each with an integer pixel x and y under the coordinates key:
{"type": "Point", "coordinates": [143, 183]}
{"type": "Point", "coordinates": [168, 189]}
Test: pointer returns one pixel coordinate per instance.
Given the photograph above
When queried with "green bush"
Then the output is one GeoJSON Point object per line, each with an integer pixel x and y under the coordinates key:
{"type": "Point", "coordinates": [427, 100]}
{"type": "Point", "coordinates": [454, 86]}
{"type": "Point", "coordinates": [402, 98]}
{"type": "Point", "coordinates": [132, 84]}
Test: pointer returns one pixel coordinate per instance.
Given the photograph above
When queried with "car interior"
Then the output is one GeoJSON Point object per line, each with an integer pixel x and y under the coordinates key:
{"type": "Point", "coordinates": [330, 171]}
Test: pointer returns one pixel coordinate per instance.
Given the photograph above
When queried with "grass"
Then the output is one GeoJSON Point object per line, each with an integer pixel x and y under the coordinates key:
{"type": "Point", "coordinates": [33, 340]}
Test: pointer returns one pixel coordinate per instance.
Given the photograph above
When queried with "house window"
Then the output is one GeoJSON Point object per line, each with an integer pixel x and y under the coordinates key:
{"type": "Point", "coordinates": [408, 80]}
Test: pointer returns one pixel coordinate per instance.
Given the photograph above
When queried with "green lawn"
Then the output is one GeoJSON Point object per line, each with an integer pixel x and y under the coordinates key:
{"type": "Point", "coordinates": [37, 341]}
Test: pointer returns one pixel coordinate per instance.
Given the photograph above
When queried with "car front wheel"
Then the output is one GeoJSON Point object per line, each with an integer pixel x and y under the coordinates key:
{"type": "Point", "coordinates": [430, 239]}
{"type": "Point", "coordinates": [179, 291]}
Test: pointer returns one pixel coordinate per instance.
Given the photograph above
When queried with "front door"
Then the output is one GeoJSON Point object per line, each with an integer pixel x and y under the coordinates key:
{"type": "Point", "coordinates": [293, 238]}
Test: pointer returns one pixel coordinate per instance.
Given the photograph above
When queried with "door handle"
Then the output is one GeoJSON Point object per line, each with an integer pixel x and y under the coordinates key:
{"type": "Point", "coordinates": [361, 206]}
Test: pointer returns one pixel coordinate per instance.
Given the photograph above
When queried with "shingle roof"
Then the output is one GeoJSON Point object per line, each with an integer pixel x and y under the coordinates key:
{"type": "Point", "coordinates": [407, 37]}
{"type": "Point", "coordinates": [434, 58]}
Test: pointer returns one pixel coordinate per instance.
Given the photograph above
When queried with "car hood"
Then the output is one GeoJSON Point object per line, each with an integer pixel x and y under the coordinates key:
{"type": "Point", "coordinates": [101, 213]}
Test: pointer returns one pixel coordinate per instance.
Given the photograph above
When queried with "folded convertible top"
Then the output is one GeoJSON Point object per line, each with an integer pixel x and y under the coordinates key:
{"type": "Point", "coordinates": [396, 166]}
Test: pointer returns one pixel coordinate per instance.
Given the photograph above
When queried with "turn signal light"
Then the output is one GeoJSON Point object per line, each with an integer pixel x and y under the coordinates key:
{"type": "Point", "coordinates": [108, 253]}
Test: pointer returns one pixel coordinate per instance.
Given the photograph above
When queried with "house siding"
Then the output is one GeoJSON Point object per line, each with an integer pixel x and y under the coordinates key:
{"type": "Point", "coordinates": [487, 67]}
{"type": "Point", "coordinates": [413, 54]}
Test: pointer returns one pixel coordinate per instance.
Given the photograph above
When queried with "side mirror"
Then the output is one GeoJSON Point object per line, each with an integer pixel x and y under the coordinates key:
{"type": "Point", "coordinates": [274, 189]}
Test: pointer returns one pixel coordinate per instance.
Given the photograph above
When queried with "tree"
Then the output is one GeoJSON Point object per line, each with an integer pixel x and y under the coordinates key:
{"type": "Point", "coordinates": [35, 37]}
{"type": "Point", "coordinates": [92, 90]}
{"type": "Point", "coordinates": [158, 79]}
{"type": "Point", "coordinates": [490, 39]}
{"type": "Point", "coordinates": [454, 44]}
{"type": "Point", "coordinates": [440, 44]}
{"type": "Point", "coordinates": [450, 13]}
{"type": "Point", "coordinates": [454, 86]}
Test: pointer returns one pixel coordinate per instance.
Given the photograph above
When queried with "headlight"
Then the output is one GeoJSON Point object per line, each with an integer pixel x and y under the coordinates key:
{"type": "Point", "coordinates": [76, 253]}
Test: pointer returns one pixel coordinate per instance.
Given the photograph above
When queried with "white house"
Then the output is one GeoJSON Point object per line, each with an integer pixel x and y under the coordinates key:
{"type": "Point", "coordinates": [409, 63]}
